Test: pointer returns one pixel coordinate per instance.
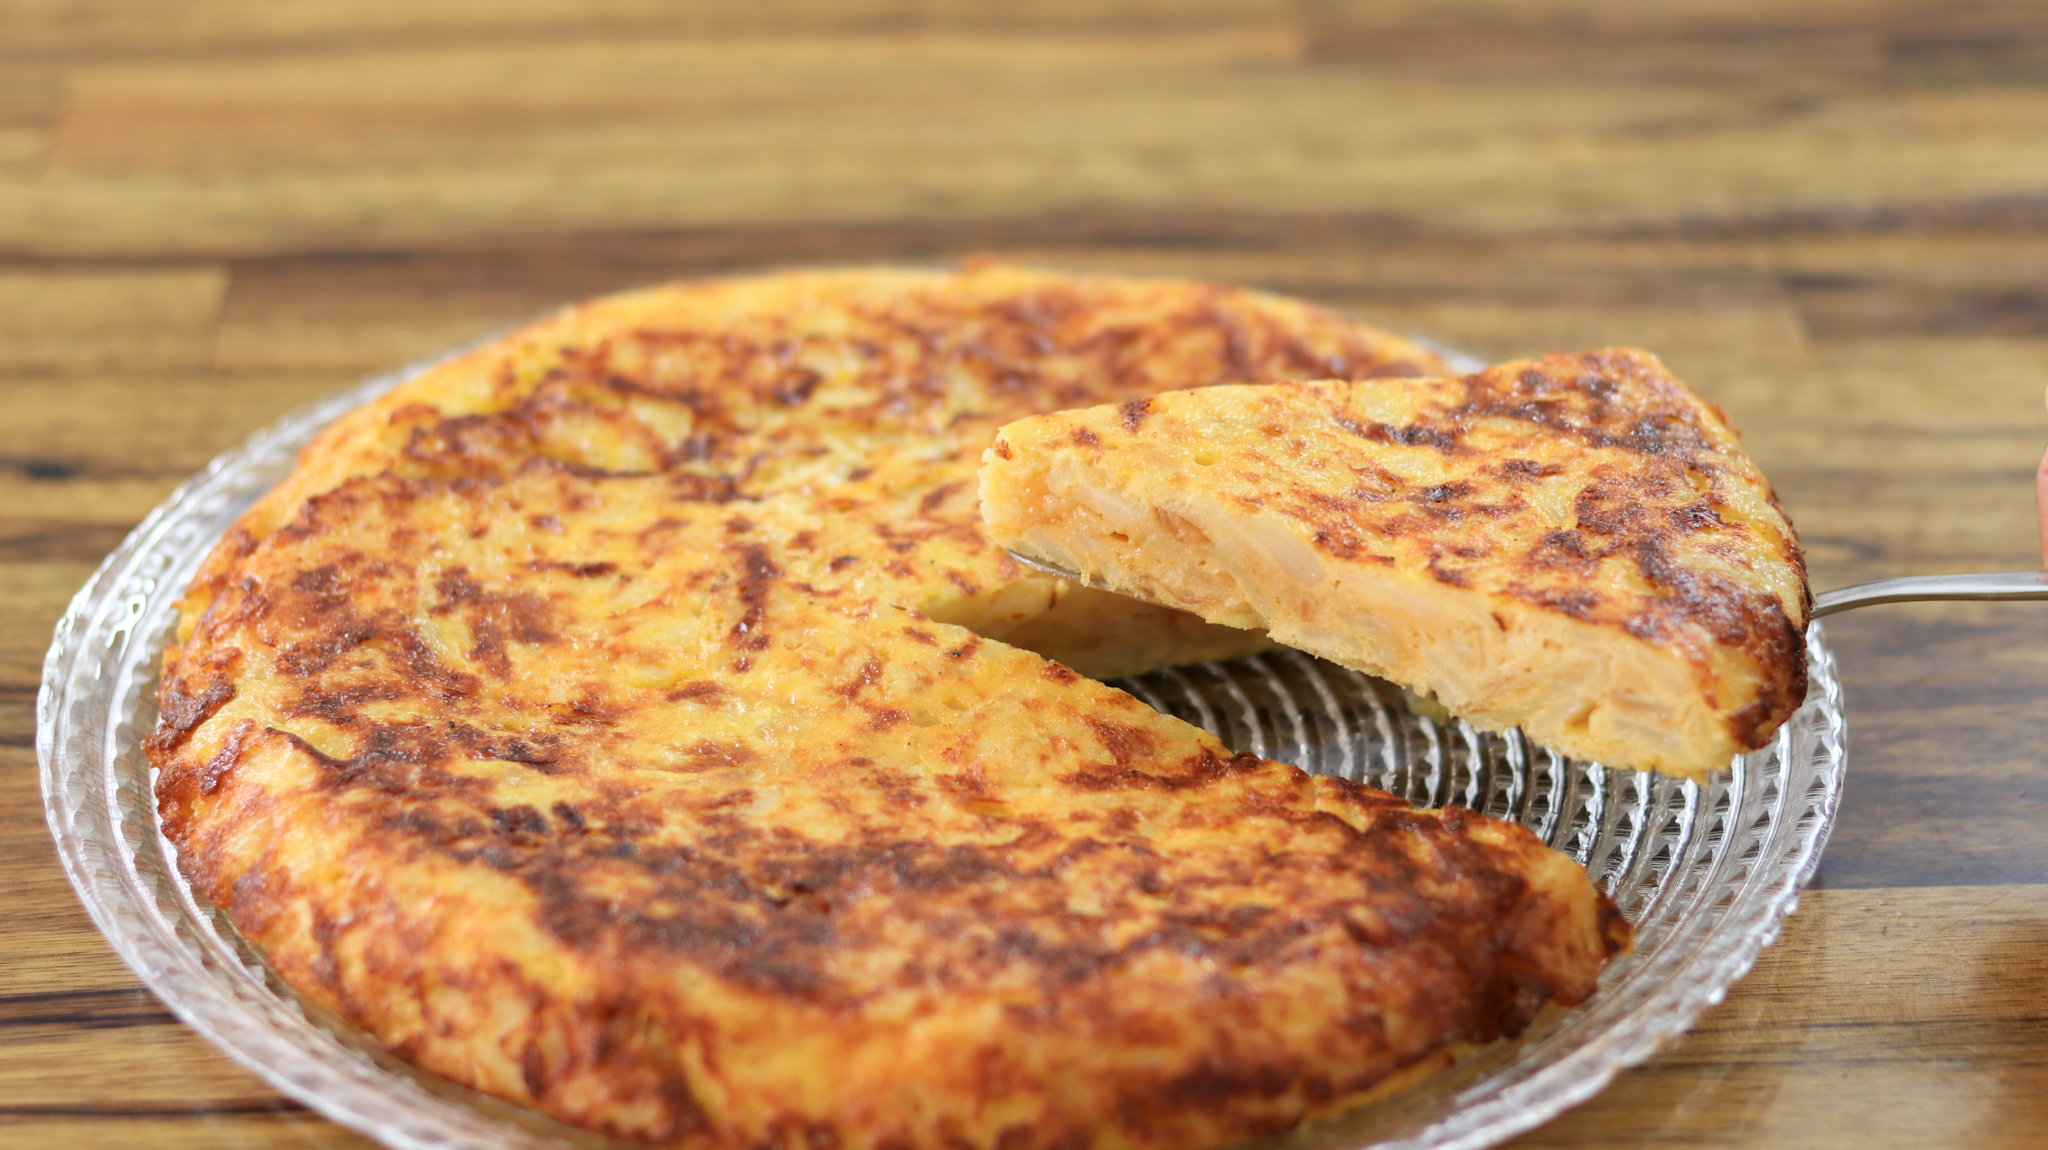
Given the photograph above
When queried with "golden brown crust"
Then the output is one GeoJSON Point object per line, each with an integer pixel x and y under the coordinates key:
{"type": "Point", "coordinates": [1580, 501]}
{"type": "Point", "coordinates": [1688, 496]}
{"type": "Point", "coordinates": [568, 723]}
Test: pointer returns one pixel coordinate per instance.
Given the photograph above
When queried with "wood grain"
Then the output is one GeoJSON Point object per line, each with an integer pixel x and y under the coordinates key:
{"type": "Point", "coordinates": [1831, 217]}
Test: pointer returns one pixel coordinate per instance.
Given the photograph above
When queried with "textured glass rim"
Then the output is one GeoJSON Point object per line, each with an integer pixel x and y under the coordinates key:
{"type": "Point", "coordinates": [1778, 802]}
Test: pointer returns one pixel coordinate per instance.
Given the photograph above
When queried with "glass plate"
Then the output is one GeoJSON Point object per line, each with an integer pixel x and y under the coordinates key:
{"type": "Point", "coordinates": [1706, 872]}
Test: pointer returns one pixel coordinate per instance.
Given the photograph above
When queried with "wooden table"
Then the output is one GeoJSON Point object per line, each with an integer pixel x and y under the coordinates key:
{"type": "Point", "coordinates": [1831, 217]}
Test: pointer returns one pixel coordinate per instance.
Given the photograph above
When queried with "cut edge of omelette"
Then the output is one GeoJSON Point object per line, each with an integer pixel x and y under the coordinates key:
{"type": "Point", "coordinates": [1575, 546]}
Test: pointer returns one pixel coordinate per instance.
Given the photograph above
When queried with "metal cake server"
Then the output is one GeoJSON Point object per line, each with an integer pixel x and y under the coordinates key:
{"type": "Point", "coordinates": [1914, 589]}
{"type": "Point", "coordinates": [1932, 588]}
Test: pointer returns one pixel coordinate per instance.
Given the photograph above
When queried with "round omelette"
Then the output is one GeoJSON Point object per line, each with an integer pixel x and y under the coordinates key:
{"type": "Point", "coordinates": [630, 719]}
